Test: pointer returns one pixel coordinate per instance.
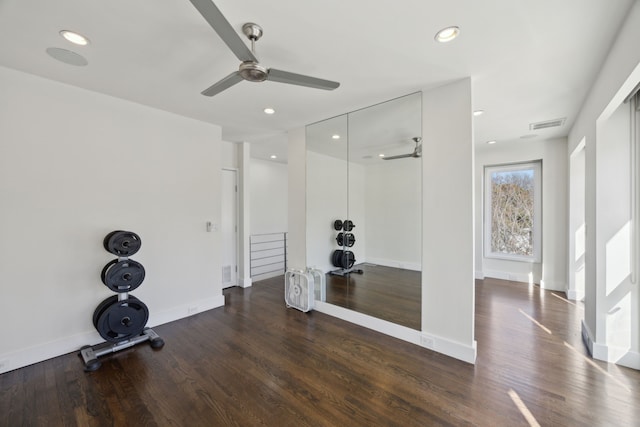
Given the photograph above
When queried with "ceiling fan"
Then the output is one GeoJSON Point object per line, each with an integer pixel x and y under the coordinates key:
{"type": "Point", "coordinates": [250, 69]}
{"type": "Point", "coordinates": [417, 152]}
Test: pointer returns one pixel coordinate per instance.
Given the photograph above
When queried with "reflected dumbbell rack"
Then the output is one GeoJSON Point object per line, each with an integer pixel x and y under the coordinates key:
{"type": "Point", "coordinates": [344, 258]}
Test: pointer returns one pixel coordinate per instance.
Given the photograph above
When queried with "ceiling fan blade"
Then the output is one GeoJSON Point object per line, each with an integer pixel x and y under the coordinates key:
{"type": "Point", "coordinates": [300, 80]}
{"type": "Point", "coordinates": [401, 156]}
{"type": "Point", "coordinates": [219, 23]}
{"type": "Point", "coordinates": [223, 84]}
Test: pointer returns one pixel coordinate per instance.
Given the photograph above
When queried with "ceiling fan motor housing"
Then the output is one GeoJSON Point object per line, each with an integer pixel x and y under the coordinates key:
{"type": "Point", "coordinates": [253, 72]}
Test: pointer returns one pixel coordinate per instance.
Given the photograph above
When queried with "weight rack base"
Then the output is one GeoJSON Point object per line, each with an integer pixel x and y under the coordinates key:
{"type": "Point", "coordinates": [346, 271]}
{"type": "Point", "coordinates": [90, 354]}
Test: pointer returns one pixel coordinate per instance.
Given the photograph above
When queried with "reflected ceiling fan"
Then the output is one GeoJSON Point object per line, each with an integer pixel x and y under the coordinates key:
{"type": "Point", "coordinates": [417, 152]}
{"type": "Point", "coordinates": [250, 69]}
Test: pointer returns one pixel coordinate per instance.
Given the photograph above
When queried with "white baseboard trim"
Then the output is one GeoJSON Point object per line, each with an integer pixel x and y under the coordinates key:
{"type": "Point", "coordinates": [553, 286]}
{"type": "Point", "coordinates": [394, 263]}
{"type": "Point", "coordinates": [432, 342]}
{"type": "Point", "coordinates": [631, 360]}
{"type": "Point", "coordinates": [38, 353]}
{"type": "Point", "coordinates": [524, 278]}
{"type": "Point", "coordinates": [575, 295]}
{"type": "Point", "coordinates": [587, 337]}
{"type": "Point", "coordinates": [450, 348]}
{"type": "Point", "coordinates": [185, 310]}
{"type": "Point", "coordinates": [596, 350]}
{"type": "Point", "coordinates": [479, 275]}
{"type": "Point", "coordinates": [245, 282]}
{"type": "Point", "coordinates": [608, 353]}
{"type": "Point", "coordinates": [505, 275]}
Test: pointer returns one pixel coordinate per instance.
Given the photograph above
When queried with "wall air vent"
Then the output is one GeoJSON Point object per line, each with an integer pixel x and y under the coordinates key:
{"type": "Point", "coordinates": [547, 124]}
{"type": "Point", "coordinates": [226, 274]}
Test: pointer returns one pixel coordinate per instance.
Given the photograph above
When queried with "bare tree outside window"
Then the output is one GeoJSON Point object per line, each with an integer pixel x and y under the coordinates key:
{"type": "Point", "coordinates": [513, 211]}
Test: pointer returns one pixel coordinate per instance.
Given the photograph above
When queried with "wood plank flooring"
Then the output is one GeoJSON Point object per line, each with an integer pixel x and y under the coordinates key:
{"type": "Point", "coordinates": [387, 293]}
{"type": "Point", "coordinates": [255, 362]}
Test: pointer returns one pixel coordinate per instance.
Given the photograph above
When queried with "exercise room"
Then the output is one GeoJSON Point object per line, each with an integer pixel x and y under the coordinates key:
{"type": "Point", "coordinates": [319, 213]}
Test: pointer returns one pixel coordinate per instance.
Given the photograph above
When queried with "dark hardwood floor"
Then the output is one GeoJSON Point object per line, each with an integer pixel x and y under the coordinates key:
{"type": "Point", "coordinates": [255, 362]}
{"type": "Point", "coordinates": [387, 293]}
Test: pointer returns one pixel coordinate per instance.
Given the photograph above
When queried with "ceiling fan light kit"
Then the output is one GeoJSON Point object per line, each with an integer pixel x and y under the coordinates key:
{"type": "Point", "coordinates": [250, 69]}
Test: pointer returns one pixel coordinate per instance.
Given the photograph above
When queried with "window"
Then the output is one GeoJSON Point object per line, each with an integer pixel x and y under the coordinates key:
{"type": "Point", "coordinates": [513, 211]}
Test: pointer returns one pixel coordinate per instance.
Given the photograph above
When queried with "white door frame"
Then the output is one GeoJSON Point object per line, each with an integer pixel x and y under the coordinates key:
{"type": "Point", "coordinates": [234, 271]}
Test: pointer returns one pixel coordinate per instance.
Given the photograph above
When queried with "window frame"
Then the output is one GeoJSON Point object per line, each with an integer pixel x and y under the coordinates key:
{"type": "Point", "coordinates": [536, 165]}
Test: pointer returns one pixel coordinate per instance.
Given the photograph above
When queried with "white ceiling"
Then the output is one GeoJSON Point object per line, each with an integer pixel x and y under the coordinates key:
{"type": "Point", "coordinates": [529, 60]}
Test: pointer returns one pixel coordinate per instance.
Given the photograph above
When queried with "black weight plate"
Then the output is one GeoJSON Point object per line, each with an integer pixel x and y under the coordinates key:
{"type": "Point", "coordinates": [349, 239]}
{"type": "Point", "coordinates": [337, 225]}
{"type": "Point", "coordinates": [103, 274]}
{"type": "Point", "coordinates": [100, 308]}
{"type": "Point", "coordinates": [122, 320]}
{"type": "Point", "coordinates": [105, 242]}
{"type": "Point", "coordinates": [340, 239]}
{"type": "Point", "coordinates": [123, 276]}
{"type": "Point", "coordinates": [336, 258]}
{"type": "Point", "coordinates": [348, 225]}
{"type": "Point", "coordinates": [122, 243]}
{"type": "Point", "coordinates": [348, 259]}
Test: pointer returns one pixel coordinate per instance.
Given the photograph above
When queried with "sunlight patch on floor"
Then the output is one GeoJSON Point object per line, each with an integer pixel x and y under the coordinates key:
{"type": "Point", "coordinates": [544, 328]}
{"type": "Point", "coordinates": [526, 413]}
{"type": "Point", "coordinates": [565, 300]}
{"type": "Point", "coordinates": [595, 365]}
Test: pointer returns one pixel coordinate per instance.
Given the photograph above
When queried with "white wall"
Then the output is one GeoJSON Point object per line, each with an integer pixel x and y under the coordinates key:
{"type": "Point", "coordinates": [551, 273]}
{"type": "Point", "coordinates": [297, 209]}
{"type": "Point", "coordinates": [448, 285]}
{"type": "Point", "coordinates": [576, 255]}
{"type": "Point", "coordinates": [269, 185]}
{"type": "Point", "coordinates": [229, 155]}
{"type": "Point", "coordinates": [357, 211]}
{"type": "Point", "coordinates": [618, 76]}
{"type": "Point", "coordinates": [326, 201]}
{"type": "Point", "coordinates": [394, 212]}
{"type": "Point", "coordinates": [614, 234]}
{"type": "Point", "coordinates": [75, 165]}
{"type": "Point", "coordinates": [244, 214]}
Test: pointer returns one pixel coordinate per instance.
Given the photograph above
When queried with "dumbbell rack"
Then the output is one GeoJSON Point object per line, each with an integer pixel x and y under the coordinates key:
{"type": "Point", "coordinates": [341, 257]}
{"type": "Point", "coordinates": [120, 319]}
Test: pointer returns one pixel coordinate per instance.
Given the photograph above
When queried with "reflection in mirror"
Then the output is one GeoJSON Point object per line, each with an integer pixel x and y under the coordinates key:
{"type": "Point", "coordinates": [379, 172]}
{"type": "Point", "coordinates": [327, 191]}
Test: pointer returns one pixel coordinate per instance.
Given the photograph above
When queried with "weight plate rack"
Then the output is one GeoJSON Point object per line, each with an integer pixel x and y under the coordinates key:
{"type": "Point", "coordinates": [343, 258]}
{"type": "Point", "coordinates": [120, 319]}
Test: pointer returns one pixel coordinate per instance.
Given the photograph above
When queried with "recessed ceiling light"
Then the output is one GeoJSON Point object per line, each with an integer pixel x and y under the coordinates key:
{"type": "Point", "coordinates": [447, 34]}
{"type": "Point", "coordinates": [478, 113]}
{"type": "Point", "coordinates": [74, 38]}
{"type": "Point", "coordinates": [380, 155]}
{"type": "Point", "coordinates": [269, 111]}
{"type": "Point", "coordinates": [273, 156]}
{"type": "Point", "coordinates": [336, 136]}
{"type": "Point", "coordinates": [491, 142]}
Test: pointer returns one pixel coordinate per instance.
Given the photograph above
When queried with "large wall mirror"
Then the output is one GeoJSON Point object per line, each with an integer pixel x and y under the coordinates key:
{"type": "Point", "coordinates": [366, 167]}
